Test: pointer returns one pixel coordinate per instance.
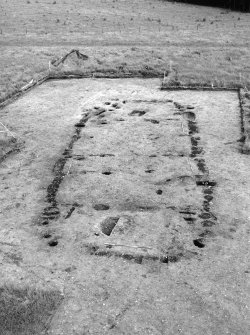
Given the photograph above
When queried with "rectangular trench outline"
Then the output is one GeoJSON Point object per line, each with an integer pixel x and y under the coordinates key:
{"type": "Point", "coordinates": [51, 212]}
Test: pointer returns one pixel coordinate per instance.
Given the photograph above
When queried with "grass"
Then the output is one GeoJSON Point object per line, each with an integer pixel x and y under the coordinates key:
{"type": "Point", "coordinates": [205, 45]}
{"type": "Point", "coordinates": [26, 311]}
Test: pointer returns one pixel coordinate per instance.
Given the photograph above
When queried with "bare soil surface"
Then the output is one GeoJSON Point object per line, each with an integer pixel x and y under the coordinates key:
{"type": "Point", "coordinates": [131, 202]}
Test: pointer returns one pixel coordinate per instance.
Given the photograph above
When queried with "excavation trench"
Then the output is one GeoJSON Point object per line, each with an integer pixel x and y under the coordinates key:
{"type": "Point", "coordinates": [147, 173]}
{"type": "Point", "coordinates": [52, 212]}
{"type": "Point", "coordinates": [202, 178]}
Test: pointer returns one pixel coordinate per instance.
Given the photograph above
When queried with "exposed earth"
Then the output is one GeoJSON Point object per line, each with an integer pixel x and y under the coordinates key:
{"type": "Point", "coordinates": [131, 204]}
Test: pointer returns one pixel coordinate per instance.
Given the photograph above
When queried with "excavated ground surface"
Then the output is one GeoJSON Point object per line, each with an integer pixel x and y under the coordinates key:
{"type": "Point", "coordinates": [132, 201]}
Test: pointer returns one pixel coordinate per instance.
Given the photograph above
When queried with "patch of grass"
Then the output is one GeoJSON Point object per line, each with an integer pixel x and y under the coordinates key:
{"type": "Point", "coordinates": [160, 32]}
{"type": "Point", "coordinates": [194, 65]}
{"type": "Point", "coordinates": [26, 311]}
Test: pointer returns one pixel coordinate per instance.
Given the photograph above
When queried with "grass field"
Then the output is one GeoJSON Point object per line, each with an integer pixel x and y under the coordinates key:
{"type": "Point", "coordinates": [201, 44]}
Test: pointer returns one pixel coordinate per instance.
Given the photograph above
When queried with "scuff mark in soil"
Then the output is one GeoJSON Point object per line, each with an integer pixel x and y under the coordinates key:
{"type": "Point", "coordinates": [71, 210]}
{"type": "Point", "coordinates": [11, 146]}
{"type": "Point", "coordinates": [108, 251]}
{"type": "Point", "coordinates": [8, 153]}
{"type": "Point", "coordinates": [102, 155]}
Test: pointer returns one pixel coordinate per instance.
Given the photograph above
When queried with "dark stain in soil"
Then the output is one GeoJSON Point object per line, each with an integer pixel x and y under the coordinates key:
{"type": "Point", "coordinates": [189, 116]}
{"type": "Point", "coordinates": [71, 210]}
{"type": "Point", "coordinates": [197, 154]}
{"type": "Point", "coordinates": [201, 165]}
{"type": "Point", "coordinates": [102, 155]}
{"type": "Point", "coordinates": [208, 223]}
{"type": "Point", "coordinates": [52, 212]}
{"type": "Point", "coordinates": [138, 112]}
{"type": "Point", "coordinates": [79, 157]}
{"type": "Point", "coordinates": [47, 235]}
{"type": "Point", "coordinates": [149, 171]}
{"type": "Point", "coordinates": [101, 207]}
{"type": "Point", "coordinates": [152, 121]}
{"type": "Point", "coordinates": [115, 105]}
{"type": "Point", "coordinates": [53, 243]}
{"type": "Point", "coordinates": [208, 197]}
{"type": "Point", "coordinates": [208, 191]}
{"type": "Point", "coordinates": [193, 128]}
{"type": "Point", "coordinates": [205, 215]}
{"type": "Point", "coordinates": [199, 243]}
{"type": "Point", "coordinates": [107, 173]}
{"type": "Point", "coordinates": [189, 220]}
{"type": "Point", "coordinates": [80, 124]}
{"type": "Point", "coordinates": [206, 183]}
